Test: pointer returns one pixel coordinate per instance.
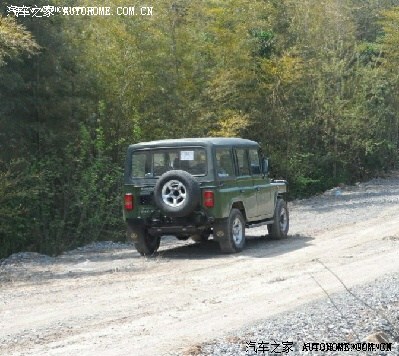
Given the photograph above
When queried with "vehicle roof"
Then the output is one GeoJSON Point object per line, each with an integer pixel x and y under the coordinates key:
{"type": "Point", "coordinates": [212, 141]}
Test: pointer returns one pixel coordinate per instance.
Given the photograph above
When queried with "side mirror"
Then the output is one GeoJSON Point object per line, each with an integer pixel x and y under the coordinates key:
{"type": "Point", "coordinates": [265, 166]}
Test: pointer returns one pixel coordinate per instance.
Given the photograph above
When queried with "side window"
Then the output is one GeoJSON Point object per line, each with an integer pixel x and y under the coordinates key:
{"type": "Point", "coordinates": [141, 165]}
{"type": "Point", "coordinates": [254, 161]}
{"type": "Point", "coordinates": [242, 160]}
{"type": "Point", "coordinates": [224, 163]}
{"type": "Point", "coordinates": [160, 163]}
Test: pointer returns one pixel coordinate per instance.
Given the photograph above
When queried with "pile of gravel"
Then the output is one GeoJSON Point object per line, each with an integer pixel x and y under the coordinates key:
{"type": "Point", "coordinates": [364, 314]}
{"type": "Point", "coordinates": [20, 258]}
{"type": "Point", "coordinates": [36, 267]}
{"type": "Point", "coordinates": [25, 257]}
{"type": "Point", "coordinates": [99, 246]}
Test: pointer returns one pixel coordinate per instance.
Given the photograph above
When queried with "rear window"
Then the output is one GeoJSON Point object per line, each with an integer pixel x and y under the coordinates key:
{"type": "Point", "coordinates": [154, 163]}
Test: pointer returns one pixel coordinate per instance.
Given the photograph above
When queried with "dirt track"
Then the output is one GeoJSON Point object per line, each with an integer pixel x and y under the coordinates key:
{"type": "Point", "coordinates": [114, 302]}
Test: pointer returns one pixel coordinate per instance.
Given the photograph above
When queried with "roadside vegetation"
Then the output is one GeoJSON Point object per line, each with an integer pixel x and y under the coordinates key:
{"type": "Point", "coordinates": [315, 82]}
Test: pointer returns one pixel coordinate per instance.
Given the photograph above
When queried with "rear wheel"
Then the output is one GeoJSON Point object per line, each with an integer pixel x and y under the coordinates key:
{"type": "Point", "coordinates": [182, 238]}
{"type": "Point", "coordinates": [232, 234]}
{"type": "Point", "coordinates": [145, 243]}
{"type": "Point", "coordinates": [202, 237]}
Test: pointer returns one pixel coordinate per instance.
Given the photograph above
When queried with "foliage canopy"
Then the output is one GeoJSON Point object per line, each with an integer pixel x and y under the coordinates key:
{"type": "Point", "coordinates": [315, 82]}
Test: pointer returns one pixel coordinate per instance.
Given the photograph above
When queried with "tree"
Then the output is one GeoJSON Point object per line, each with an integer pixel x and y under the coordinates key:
{"type": "Point", "coordinates": [15, 40]}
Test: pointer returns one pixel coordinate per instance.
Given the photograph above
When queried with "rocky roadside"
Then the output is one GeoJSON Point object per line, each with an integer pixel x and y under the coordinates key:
{"type": "Point", "coordinates": [366, 314]}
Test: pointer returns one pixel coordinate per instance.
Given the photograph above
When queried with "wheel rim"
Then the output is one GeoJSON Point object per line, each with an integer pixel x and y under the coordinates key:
{"type": "Point", "coordinates": [174, 193]}
{"type": "Point", "coordinates": [237, 231]}
{"type": "Point", "coordinates": [283, 219]}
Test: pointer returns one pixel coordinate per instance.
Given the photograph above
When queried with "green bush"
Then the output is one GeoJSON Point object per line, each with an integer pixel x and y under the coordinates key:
{"type": "Point", "coordinates": [61, 200]}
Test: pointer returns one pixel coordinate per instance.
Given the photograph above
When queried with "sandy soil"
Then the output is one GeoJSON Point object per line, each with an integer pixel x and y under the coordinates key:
{"type": "Point", "coordinates": [114, 302]}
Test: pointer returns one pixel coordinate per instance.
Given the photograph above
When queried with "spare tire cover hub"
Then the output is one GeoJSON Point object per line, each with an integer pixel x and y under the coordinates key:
{"type": "Point", "coordinates": [174, 193]}
{"type": "Point", "coordinates": [177, 193]}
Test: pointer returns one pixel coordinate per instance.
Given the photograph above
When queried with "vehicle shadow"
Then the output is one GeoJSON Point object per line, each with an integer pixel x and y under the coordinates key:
{"type": "Point", "coordinates": [256, 246]}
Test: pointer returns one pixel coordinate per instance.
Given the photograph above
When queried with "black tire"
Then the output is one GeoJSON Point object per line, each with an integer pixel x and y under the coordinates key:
{"type": "Point", "coordinates": [231, 235]}
{"type": "Point", "coordinates": [177, 193]}
{"type": "Point", "coordinates": [279, 229]}
{"type": "Point", "coordinates": [202, 237]}
{"type": "Point", "coordinates": [183, 238]}
{"type": "Point", "coordinates": [145, 243]}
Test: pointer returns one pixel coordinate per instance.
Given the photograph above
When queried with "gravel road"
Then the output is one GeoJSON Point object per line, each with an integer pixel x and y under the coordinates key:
{"type": "Point", "coordinates": [335, 279]}
{"type": "Point", "coordinates": [358, 315]}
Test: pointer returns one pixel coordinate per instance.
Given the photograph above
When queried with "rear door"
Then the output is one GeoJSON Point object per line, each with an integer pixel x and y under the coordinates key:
{"type": "Point", "coordinates": [262, 186]}
{"type": "Point", "coordinates": [226, 176]}
{"type": "Point", "coordinates": [245, 184]}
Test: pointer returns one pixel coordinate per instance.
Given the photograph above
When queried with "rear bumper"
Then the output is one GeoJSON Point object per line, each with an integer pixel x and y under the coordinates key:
{"type": "Point", "coordinates": [176, 230]}
{"type": "Point", "coordinates": [175, 227]}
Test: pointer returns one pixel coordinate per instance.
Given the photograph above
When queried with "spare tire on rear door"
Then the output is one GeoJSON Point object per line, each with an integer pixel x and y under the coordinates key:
{"type": "Point", "coordinates": [177, 193]}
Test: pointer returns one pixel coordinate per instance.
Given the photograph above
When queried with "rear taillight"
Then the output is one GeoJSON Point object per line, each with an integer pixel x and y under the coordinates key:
{"type": "Point", "coordinates": [209, 199]}
{"type": "Point", "coordinates": [129, 201]}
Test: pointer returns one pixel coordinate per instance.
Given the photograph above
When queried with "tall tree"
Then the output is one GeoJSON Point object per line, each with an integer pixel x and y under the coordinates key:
{"type": "Point", "coordinates": [14, 40]}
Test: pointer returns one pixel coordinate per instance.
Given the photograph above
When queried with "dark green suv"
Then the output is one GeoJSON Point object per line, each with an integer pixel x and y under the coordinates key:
{"type": "Point", "coordinates": [195, 187]}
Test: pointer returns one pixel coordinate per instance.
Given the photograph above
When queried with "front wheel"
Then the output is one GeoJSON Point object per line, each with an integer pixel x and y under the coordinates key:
{"type": "Point", "coordinates": [279, 229]}
{"type": "Point", "coordinates": [232, 236]}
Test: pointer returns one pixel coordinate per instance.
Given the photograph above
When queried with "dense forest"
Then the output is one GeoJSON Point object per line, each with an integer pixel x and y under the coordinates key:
{"type": "Point", "coordinates": [316, 82]}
